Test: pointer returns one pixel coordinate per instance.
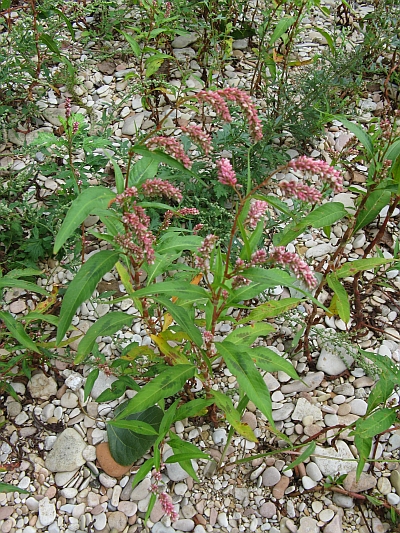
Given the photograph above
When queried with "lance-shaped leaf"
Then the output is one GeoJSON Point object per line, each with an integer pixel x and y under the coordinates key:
{"type": "Point", "coordinates": [164, 385]}
{"type": "Point", "coordinates": [84, 205]}
{"type": "Point", "coordinates": [305, 455]}
{"type": "Point", "coordinates": [8, 282]}
{"type": "Point", "coordinates": [233, 416]}
{"type": "Point", "coordinates": [376, 201]}
{"type": "Point", "coordinates": [183, 318]}
{"type": "Point", "coordinates": [105, 325]}
{"type": "Point", "coordinates": [376, 423]}
{"type": "Point", "coordinates": [342, 298]}
{"type": "Point", "coordinates": [271, 309]}
{"type": "Point", "coordinates": [268, 360]}
{"type": "Point", "coordinates": [361, 135]}
{"type": "Point", "coordinates": [82, 286]}
{"type": "Point", "coordinates": [18, 332]}
{"type": "Point", "coordinates": [352, 267]}
{"type": "Point", "coordinates": [249, 378]}
{"type": "Point", "coordinates": [248, 334]}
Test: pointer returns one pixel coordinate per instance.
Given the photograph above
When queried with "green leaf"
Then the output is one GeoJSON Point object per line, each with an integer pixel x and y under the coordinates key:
{"type": "Point", "coordinates": [185, 291]}
{"type": "Point", "coordinates": [119, 178]}
{"type": "Point", "coordinates": [268, 360]}
{"type": "Point", "coordinates": [342, 298]}
{"type": "Point", "coordinates": [7, 487]}
{"type": "Point", "coordinates": [373, 205]}
{"type": "Point", "coordinates": [144, 169]}
{"type": "Point", "coordinates": [66, 20]}
{"type": "Point", "coordinates": [50, 43]}
{"type": "Point", "coordinates": [133, 44]}
{"type": "Point", "coordinates": [126, 445]}
{"type": "Point", "coordinates": [143, 471]}
{"type": "Point", "coordinates": [233, 416]}
{"type": "Point", "coordinates": [363, 137]}
{"type": "Point", "coordinates": [160, 157]}
{"type": "Point", "coordinates": [18, 332]}
{"type": "Point", "coordinates": [393, 151]}
{"type": "Point", "coordinates": [7, 282]}
{"type": "Point", "coordinates": [183, 318]}
{"type": "Point", "coordinates": [172, 244]}
{"type": "Point", "coordinates": [383, 388]}
{"type": "Point", "coordinates": [82, 286]}
{"type": "Point", "coordinates": [271, 277]}
{"type": "Point", "coordinates": [248, 334]}
{"type": "Point", "coordinates": [84, 205]}
{"type": "Point", "coordinates": [281, 28]}
{"type": "Point", "coordinates": [352, 267]}
{"type": "Point", "coordinates": [154, 62]}
{"type": "Point", "coordinates": [376, 423]}
{"type": "Point", "coordinates": [249, 378]}
{"type": "Point", "coordinates": [327, 36]}
{"type": "Point", "coordinates": [105, 325]}
{"type": "Point", "coordinates": [90, 380]}
{"type": "Point", "coordinates": [324, 215]}
{"type": "Point", "coordinates": [166, 384]}
{"type": "Point", "coordinates": [150, 505]}
{"type": "Point", "coordinates": [186, 456]}
{"type": "Point", "coordinates": [364, 448]}
{"type": "Point", "coordinates": [385, 365]}
{"type": "Point", "coordinates": [192, 408]}
{"type": "Point", "coordinates": [271, 309]}
{"type": "Point", "coordinates": [305, 455]}
{"type": "Point", "coordinates": [137, 426]}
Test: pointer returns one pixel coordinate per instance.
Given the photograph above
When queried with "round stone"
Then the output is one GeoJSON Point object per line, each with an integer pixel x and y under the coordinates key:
{"type": "Point", "coordinates": [308, 483]}
{"type": "Point", "coordinates": [358, 407]}
{"type": "Point", "coordinates": [117, 520]}
{"type": "Point", "coordinates": [326, 515]}
{"type": "Point", "coordinates": [270, 477]}
{"type": "Point", "coordinates": [268, 510]}
{"type": "Point", "coordinates": [393, 498]}
{"type": "Point", "coordinates": [128, 508]}
{"type": "Point", "coordinates": [317, 506]}
{"type": "Point", "coordinates": [384, 486]}
{"type": "Point", "coordinates": [107, 463]}
{"type": "Point", "coordinates": [313, 472]}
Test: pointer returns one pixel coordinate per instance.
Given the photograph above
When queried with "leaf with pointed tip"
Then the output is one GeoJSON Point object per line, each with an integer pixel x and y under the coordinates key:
{"type": "Point", "coordinates": [82, 286]}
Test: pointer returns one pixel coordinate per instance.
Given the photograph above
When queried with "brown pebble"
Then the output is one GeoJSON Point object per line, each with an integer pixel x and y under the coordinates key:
{"type": "Point", "coordinates": [51, 492]}
{"type": "Point", "coordinates": [279, 490]}
{"type": "Point", "coordinates": [61, 391]}
{"type": "Point", "coordinates": [132, 519]}
{"type": "Point", "coordinates": [6, 511]}
{"type": "Point", "coordinates": [344, 409]}
{"type": "Point", "coordinates": [107, 463]}
{"type": "Point", "coordinates": [199, 519]}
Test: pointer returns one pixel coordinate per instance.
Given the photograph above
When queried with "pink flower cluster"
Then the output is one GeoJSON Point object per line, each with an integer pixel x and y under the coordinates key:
{"type": "Point", "coordinates": [67, 107]}
{"type": "Point", "coordinates": [295, 263]}
{"type": "Point", "coordinates": [130, 192]}
{"type": "Point", "coordinates": [159, 187]}
{"type": "Point", "coordinates": [301, 191]}
{"type": "Point", "coordinates": [256, 212]}
{"type": "Point", "coordinates": [172, 147]}
{"type": "Point", "coordinates": [217, 101]}
{"type": "Point", "coordinates": [204, 252]}
{"type": "Point", "coordinates": [226, 174]}
{"type": "Point", "coordinates": [199, 136]}
{"type": "Point", "coordinates": [168, 506]}
{"type": "Point", "coordinates": [325, 171]}
{"type": "Point", "coordinates": [138, 239]}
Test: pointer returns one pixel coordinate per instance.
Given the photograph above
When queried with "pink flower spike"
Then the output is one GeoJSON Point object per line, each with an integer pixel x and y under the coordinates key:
{"type": "Point", "coordinates": [295, 263]}
{"type": "Point", "coordinates": [205, 251]}
{"type": "Point", "coordinates": [216, 102]}
{"type": "Point", "coordinates": [159, 187]}
{"type": "Point", "coordinates": [226, 174]}
{"type": "Point", "coordinates": [325, 171]}
{"type": "Point", "coordinates": [244, 100]}
{"type": "Point", "coordinates": [168, 506]}
{"type": "Point", "coordinates": [172, 147]}
{"type": "Point", "coordinates": [301, 191]}
{"type": "Point", "coordinates": [67, 107]}
{"type": "Point", "coordinates": [256, 212]}
{"type": "Point", "coordinates": [199, 136]}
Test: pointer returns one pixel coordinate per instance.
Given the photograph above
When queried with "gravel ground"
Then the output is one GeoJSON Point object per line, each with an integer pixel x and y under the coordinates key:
{"type": "Point", "coordinates": [53, 442]}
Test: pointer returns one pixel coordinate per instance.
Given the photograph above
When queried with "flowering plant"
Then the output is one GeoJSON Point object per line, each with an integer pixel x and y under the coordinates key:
{"type": "Point", "coordinates": [184, 286]}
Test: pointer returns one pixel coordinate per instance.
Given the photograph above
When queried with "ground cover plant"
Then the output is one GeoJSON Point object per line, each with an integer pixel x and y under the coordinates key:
{"type": "Point", "coordinates": [183, 267]}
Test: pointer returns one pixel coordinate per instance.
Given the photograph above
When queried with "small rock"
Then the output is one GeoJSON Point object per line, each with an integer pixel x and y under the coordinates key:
{"type": "Point", "coordinates": [311, 382]}
{"type": "Point", "coordinates": [303, 408]}
{"type": "Point", "coordinates": [47, 512]}
{"type": "Point", "coordinates": [308, 525]}
{"type": "Point", "coordinates": [41, 386]}
{"type": "Point", "coordinates": [66, 454]}
{"type": "Point", "coordinates": [384, 486]}
{"type": "Point", "coordinates": [53, 115]}
{"type": "Point", "coordinates": [185, 524]}
{"type": "Point", "coordinates": [335, 525]}
{"type": "Point", "coordinates": [395, 480]}
{"type": "Point", "coordinates": [18, 306]}
{"type": "Point", "coordinates": [358, 407]}
{"type": "Point", "coordinates": [308, 483]}
{"type": "Point", "coordinates": [330, 363]}
{"type": "Point", "coordinates": [366, 482]}
{"type": "Point", "coordinates": [117, 520]}
{"type": "Point", "coordinates": [183, 41]}
{"type": "Point", "coordinates": [326, 515]}
{"type": "Point", "coordinates": [107, 481]}
{"type": "Point", "coordinates": [69, 400]}
{"type": "Point", "coordinates": [329, 460]}
{"type": "Point", "coordinates": [268, 510]}
{"type": "Point", "coordinates": [279, 490]}
{"type": "Point", "coordinates": [283, 413]}
{"type": "Point", "coordinates": [133, 124]}
{"type": "Point", "coordinates": [270, 477]}
{"type": "Point", "coordinates": [108, 464]}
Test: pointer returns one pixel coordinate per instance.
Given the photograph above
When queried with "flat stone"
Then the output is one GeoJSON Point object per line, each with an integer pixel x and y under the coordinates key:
{"type": "Point", "coordinates": [346, 389]}
{"type": "Point", "coordinates": [320, 250]}
{"type": "Point", "coordinates": [335, 525]}
{"type": "Point", "coordinates": [184, 524]}
{"type": "Point", "coordinates": [141, 491]}
{"type": "Point", "coordinates": [271, 382]}
{"type": "Point", "coordinates": [305, 408]}
{"type": "Point", "coordinates": [283, 413]}
{"type": "Point", "coordinates": [17, 307]}
{"type": "Point", "coordinates": [69, 400]}
{"type": "Point", "coordinates": [47, 512]}
{"type": "Point", "coordinates": [102, 383]}
{"type": "Point", "coordinates": [395, 480]}
{"type": "Point", "coordinates": [66, 454]}
{"type": "Point", "coordinates": [182, 41]}
{"type": "Point", "coordinates": [62, 478]}
{"type": "Point", "coordinates": [268, 510]}
{"type": "Point", "coordinates": [41, 386]}
{"type": "Point", "coordinates": [332, 364]}
{"type": "Point", "coordinates": [133, 124]}
{"type": "Point", "coordinates": [358, 407]}
{"type": "Point", "coordinates": [6, 511]}
{"type": "Point", "coordinates": [117, 520]}
{"type": "Point", "coordinates": [240, 44]}
{"type": "Point", "coordinates": [108, 464]}
{"type": "Point", "coordinates": [53, 115]}
{"type": "Point", "coordinates": [184, 54]}
{"type": "Point", "coordinates": [311, 382]}
{"type": "Point", "coordinates": [332, 461]}
{"type": "Point", "coordinates": [384, 486]}
{"type": "Point", "coordinates": [271, 476]}
{"type": "Point", "coordinates": [308, 525]}
{"type": "Point", "coordinates": [366, 482]}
